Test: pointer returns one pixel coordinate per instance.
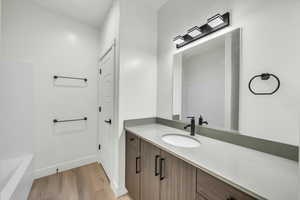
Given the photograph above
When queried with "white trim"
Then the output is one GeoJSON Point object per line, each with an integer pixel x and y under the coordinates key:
{"type": "Point", "coordinates": [99, 100]}
{"type": "Point", "coordinates": [112, 48]}
{"type": "Point", "coordinates": [118, 191]}
{"type": "Point", "coordinates": [65, 166]}
{"type": "Point", "coordinates": [107, 51]}
{"type": "Point", "coordinates": [179, 52]}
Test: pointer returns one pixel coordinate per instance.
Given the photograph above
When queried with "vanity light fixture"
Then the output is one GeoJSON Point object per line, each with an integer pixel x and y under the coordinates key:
{"type": "Point", "coordinates": [213, 24]}
{"type": "Point", "coordinates": [178, 40]}
{"type": "Point", "coordinates": [215, 21]}
{"type": "Point", "coordinates": [195, 31]}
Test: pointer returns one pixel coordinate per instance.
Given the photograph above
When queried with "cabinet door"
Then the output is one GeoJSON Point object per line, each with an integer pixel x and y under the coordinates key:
{"type": "Point", "coordinates": [178, 179]}
{"type": "Point", "coordinates": [150, 156]}
{"type": "Point", "coordinates": [133, 166]}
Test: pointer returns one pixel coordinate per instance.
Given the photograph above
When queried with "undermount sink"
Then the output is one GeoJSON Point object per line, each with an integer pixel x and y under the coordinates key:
{"type": "Point", "coordinates": [179, 140]}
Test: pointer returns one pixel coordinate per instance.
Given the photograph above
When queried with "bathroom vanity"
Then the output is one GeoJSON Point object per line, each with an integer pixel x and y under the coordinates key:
{"type": "Point", "coordinates": [155, 172]}
{"type": "Point", "coordinates": [213, 170]}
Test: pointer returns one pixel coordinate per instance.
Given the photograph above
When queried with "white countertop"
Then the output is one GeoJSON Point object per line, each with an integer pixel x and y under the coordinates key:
{"type": "Point", "coordinates": [254, 172]}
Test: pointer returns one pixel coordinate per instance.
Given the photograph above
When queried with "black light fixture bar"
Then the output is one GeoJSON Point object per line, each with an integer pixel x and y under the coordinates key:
{"type": "Point", "coordinates": [206, 30]}
{"type": "Point", "coordinates": [68, 77]}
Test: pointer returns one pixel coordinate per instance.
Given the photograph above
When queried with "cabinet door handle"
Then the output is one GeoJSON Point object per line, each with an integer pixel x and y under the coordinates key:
{"type": "Point", "coordinates": [156, 167]}
{"type": "Point", "coordinates": [137, 165]}
{"type": "Point", "coordinates": [162, 169]}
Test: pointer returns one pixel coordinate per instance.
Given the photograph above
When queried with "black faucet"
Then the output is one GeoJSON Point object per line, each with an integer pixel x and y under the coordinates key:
{"type": "Point", "coordinates": [201, 121]}
{"type": "Point", "coordinates": [192, 125]}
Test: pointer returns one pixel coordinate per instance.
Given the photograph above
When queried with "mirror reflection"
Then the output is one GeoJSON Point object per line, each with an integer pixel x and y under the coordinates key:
{"type": "Point", "coordinates": [206, 83]}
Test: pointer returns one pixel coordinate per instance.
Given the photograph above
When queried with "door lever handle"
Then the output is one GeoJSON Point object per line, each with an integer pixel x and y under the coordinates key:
{"type": "Point", "coordinates": [108, 121]}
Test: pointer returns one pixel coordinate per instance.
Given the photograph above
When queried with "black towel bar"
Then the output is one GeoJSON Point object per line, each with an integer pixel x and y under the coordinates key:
{"type": "Point", "coordinates": [68, 77]}
{"type": "Point", "coordinates": [70, 120]}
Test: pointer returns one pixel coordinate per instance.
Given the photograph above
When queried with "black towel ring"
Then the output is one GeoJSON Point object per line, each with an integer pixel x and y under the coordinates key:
{"type": "Point", "coordinates": [264, 76]}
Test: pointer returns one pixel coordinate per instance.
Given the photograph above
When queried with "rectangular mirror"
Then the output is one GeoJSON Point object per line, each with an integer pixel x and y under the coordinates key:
{"type": "Point", "coordinates": [206, 83]}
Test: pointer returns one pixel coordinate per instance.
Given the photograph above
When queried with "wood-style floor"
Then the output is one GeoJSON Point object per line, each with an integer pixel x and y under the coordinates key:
{"type": "Point", "coordinates": [85, 183]}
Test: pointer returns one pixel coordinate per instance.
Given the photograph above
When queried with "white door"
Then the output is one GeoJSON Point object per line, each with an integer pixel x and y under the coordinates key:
{"type": "Point", "coordinates": [106, 116]}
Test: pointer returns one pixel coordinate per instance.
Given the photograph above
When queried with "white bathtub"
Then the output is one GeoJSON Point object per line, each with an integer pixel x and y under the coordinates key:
{"type": "Point", "coordinates": [16, 177]}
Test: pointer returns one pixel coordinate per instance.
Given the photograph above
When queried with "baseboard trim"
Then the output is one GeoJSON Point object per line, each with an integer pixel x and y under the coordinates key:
{"type": "Point", "coordinates": [65, 166]}
{"type": "Point", "coordinates": [118, 191]}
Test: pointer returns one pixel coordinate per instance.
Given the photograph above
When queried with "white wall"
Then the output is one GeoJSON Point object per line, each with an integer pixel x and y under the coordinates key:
{"type": "Point", "coordinates": [16, 119]}
{"type": "Point", "coordinates": [55, 44]}
{"type": "Point", "coordinates": [110, 27]}
{"type": "Point", "coordinates": [136, 59]}
{"type": "Point", "coordinates": [203, 86]}
{"type": "Point", "coordinates": [269, 44]}
{"type": "Point", "coordinates": [109, 36]}
{"type": "Point", "coordinates": [138, 68]}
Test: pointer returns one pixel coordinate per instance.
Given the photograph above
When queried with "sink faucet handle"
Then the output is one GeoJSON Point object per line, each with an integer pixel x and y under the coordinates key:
{"type": "Point", "coordinates": [201, 121]}
{"type": "Point", "coordinates": [192, 120]}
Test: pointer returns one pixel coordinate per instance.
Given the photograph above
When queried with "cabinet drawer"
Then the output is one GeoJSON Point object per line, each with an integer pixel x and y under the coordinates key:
{"type": "Point", "coordinates": [211, 188]}
{"type": "Point", "coordinates": [132, 141]}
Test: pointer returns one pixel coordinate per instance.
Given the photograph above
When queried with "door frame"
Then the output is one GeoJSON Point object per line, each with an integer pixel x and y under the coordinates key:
{"type": "Point", "coordinates": [115, 118]}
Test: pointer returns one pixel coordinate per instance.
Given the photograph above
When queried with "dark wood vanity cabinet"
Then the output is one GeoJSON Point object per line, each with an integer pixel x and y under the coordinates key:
{"type": "Point", "coordinates": [133, 164]}
{"type": "Point", "coordinates": [153, 174]}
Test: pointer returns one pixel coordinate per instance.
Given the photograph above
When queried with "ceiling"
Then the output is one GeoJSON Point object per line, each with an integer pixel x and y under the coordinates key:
{"type": "Point", "coordinates": [155, 4]}
{"type": "Point", "coordinates": [91, 12]}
